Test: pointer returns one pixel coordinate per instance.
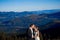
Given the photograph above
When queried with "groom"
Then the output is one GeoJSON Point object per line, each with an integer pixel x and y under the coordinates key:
{"type": "Point", "coordinates": [30, 32]}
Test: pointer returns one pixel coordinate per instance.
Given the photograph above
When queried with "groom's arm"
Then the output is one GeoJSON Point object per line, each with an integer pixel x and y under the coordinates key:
{"type": "Point", "coordinates": [29, 33]}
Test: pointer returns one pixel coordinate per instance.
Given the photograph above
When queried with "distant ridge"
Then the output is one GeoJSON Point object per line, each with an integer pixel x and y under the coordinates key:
{"type": "Point", "coordinates": [34, 11]}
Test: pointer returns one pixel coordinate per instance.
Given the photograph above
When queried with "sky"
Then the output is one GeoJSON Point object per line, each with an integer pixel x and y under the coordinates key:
{"type": "Point", "coordinates": [28, 5]}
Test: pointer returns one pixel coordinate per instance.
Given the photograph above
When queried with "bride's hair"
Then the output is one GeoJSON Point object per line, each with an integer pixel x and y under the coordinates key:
{"type": "Point", "coordinates": [37, 28]}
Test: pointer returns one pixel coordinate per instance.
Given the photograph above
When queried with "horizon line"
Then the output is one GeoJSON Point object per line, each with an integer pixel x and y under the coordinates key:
{"type": "Point", "coordinates": [29, 10]}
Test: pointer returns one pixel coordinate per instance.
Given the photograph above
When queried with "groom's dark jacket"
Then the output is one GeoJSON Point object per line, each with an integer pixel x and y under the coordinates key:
{"type": "Point", "coordinates": [29, 34]}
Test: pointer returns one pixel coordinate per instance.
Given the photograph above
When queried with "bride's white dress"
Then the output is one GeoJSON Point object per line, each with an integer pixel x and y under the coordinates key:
{"type": "Point", "coordinates": [37, 37]}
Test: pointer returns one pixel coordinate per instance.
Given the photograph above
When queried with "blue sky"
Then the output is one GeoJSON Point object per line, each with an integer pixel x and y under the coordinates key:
{"type": "Point", "coordinates": [28, 5]}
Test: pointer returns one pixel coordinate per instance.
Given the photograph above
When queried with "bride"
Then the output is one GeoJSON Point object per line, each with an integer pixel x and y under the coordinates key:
{"type": "Point", "coordinates": [37, 34]}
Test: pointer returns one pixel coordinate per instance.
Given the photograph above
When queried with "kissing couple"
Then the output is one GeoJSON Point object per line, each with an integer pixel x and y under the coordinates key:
{"type": "Point", "coordinates": [33, 33]}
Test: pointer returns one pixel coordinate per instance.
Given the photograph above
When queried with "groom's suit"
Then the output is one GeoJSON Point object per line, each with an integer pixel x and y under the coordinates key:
{"type": "Point", "coordinates": [30, 34]}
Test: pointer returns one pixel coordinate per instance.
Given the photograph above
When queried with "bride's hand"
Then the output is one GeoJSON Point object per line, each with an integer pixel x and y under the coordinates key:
{"type": "Point", "coordinates": [33, 36]}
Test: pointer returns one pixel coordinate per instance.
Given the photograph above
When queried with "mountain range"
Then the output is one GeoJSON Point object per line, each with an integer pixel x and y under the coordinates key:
{"type": "Point", "coordinates": [13, 21]}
